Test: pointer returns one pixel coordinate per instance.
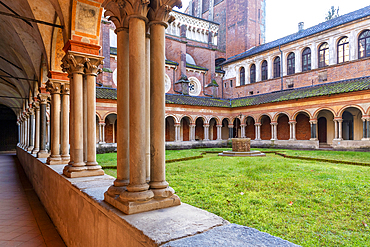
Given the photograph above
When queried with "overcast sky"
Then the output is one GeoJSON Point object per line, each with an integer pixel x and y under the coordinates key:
{"type": "Point", "coordinates": [283, 16]}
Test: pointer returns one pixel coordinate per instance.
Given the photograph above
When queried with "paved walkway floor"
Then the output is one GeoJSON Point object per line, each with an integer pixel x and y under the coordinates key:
{"type": "Point", "coordinates": [23, 219]}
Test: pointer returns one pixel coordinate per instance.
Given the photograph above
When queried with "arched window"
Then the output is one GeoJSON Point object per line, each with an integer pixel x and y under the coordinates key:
{"type": "Point", "coordinates": [306, 59]}
{"type": "Point", "coordinates": [242, 76]}
{"type": "Point", "coordinates": [323, 55]}
{"type": "Point", "coordinates": [291, 63]}
{"type": "Point", "coordinates": [343, 50]}
{"type": "Point", "coordinates": [277, 67]}
{"type": "Point", "coordinates": [253, 73]}
{"type": "Point", "coordinates": [364, 44]}
{"type": "Point", "coordinates": [264, 70]}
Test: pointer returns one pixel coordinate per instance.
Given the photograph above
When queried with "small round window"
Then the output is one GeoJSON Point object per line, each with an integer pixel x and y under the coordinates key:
{"type": "Point", "coordinates": [194, 86]}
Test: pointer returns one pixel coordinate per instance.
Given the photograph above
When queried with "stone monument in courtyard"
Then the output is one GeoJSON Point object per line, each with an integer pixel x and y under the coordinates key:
{"type": "Point", "coordinates": [241, 147]}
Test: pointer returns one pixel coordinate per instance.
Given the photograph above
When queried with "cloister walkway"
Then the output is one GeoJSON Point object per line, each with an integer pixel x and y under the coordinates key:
{"type": "Point", "coordinates": [23, 219]}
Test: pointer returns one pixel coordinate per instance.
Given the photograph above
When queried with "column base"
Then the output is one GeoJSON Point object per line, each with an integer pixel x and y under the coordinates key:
{"type": "Point", "coordinates": [292, 139]}
{"type": "Point", "coordinates": [77, 172]}
{"type": "Point", "coordinates": [66, 157]}
{"type": "Point", "coordinates": [139, 207]}
{"type": "Point", "coordinates": [35, 151]}
{"type": "Point", "coordinates": [365, 139]}
{"type": "Point", "coordinates": [30, 148]}
{"type": "Point", "coordinates": [42, 154]}
{"type": "Point", "coordinates": [54, 160]}
{"type": "Point", "coordinates": [313, 139]}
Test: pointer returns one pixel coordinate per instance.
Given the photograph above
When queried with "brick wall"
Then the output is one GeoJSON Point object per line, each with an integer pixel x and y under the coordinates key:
{"type": "Point", "coordinates": [344, 71]}
{"type": "Point", "coordinates": [265, 128]}
{"type": "Point", "coordinates": [108, 132]}
{"type": "Point", "coordinates": [303, 127]}
{"type": "Point", "coordinates": [283, 128]}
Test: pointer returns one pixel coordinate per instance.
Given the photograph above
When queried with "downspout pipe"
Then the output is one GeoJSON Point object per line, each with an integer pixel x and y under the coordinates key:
{"type": "Point", "coordinates": [174, 83]}
{"type": "Point", "coordinates": [281, 70]}
{"type": "Point", "coordinates": [204, 91]}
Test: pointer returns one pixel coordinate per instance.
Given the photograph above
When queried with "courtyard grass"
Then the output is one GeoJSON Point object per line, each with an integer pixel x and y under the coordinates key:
{"type": "Point", "coordinates": [309, 203]}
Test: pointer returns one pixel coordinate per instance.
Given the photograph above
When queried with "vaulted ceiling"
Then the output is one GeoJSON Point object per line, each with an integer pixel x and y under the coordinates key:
{"type": "Point", "coordinates": [26, 45]}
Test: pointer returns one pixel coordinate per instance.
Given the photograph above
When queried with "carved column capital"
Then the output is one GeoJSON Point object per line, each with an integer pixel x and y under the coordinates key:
{"type": "Point", "coordinates": [159, 11]}
{"type": "Point", "coordinates": [43, 98]}
{"type": "Point", "coordinates": [116, 11]}
{"type": "Point", "coordinates": [65, 89]}
{"type": "Point", "coordinates": [36, 104]}
{"type": "Point", "coordinates": [54, 86]}
{"type": "Point", "coordinates": [91, 65]}
{"type": "Point", "coordinates": [73, 63]}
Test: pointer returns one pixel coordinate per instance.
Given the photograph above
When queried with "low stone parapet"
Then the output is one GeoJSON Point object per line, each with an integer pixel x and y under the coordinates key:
{"type": "Point", "coordinates": [77, 208]}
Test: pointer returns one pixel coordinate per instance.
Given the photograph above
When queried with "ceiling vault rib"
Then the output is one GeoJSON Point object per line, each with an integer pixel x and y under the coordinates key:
{"type": "Point", "coordinates": [11, 97]}
{"type": "Point", "coordinates": [18, 78]}
{"type": "Point", "coordinates": [32, 20]}
{"type": "Point", "coordinates": [15, 13]}
{"type": "Point", "coordinates": [8, 82]}
{"type": "Point", "coordinates": [3, 58]}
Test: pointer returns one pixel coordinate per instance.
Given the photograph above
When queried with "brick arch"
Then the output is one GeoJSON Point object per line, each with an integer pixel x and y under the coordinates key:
{"type": "Point", "coordinates": [247, 116]}
{"type": "Point", "coordinates": [202, 117]}
{"type": "Point", "coordinates": [170, 128]}
{"type": "Point", "coordinates": [316, 113]}
{"type": "Point", "coordinates": [228, 120]}
{"type": "Point", "coordinates": [107, 114]}
{"type": "Point", "coordinates": [218, 120]}
{"type": "Point", "coordinates": [186, 128]}
{"type": "Point", "coordinates": [99, 116]}
{"type": "Point", "coordinates": [199, 129]}
{"type": "Point", "coordinates": [250, 129]}
{"type": "Point", "coordinates": [340, 112]}
{"type": "Point", "coordinates": [264, 114]}
{"type": "Point", "coordinates": [295, 114]}
{"type": "Point", "coordinates": [188, 116]}
{"type": "Point", "coordinates": [174, 117]}
{"type": "Point", "coordinates": [277, 115]}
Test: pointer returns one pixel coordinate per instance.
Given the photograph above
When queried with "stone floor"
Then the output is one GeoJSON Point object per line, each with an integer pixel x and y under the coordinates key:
{"type": "Point", "coordinates": [23, 219]}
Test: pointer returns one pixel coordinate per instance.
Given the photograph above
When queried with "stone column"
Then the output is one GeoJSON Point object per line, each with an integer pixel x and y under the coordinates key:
{"type": "Point", "coordinates": [273, 131]}
{"type": "Point", "coordinates": [123, 119]}
{"type": "Point", "coordinates": [340, 129]}
{"type": "Point", "coordinates": [206, 132]}
{"type": "Point", "coordinates": [147, 103]}
{"type": "Point", "coordinates": [43, 99]}
{"type": "Point", "coordinates": [219, 132]}
{"type": "Point", "coordinates": [138, 189]}
{"type": "Point", "coordinates": [54, 87]}
{"type": "Point", "coordinates": [368, 128]}
{"type": "Point", "coordinates": [65, 124]}
{"type": "Point", "coordinates": [192, 132]}
{"type": "Point", "coordinates": [71, 123]}
{"type": "Point", "coordinates": [177, 132]}
{"type": "Point", "coordinates": [91, 71]}
{"type": "Point", "coordinates": [103, 132]}
{"type": "Point", "coordinates": [84, 103]}
{"type": "Point", "coordinates": [231, 131]}
{"type": "Point", "coordinates": [258, 131]}
{"type": "Point", "coordinates": [73, 63]}
{"type": "Point", "coordinates": [31, 129]}
{"type": "Point", "coordinates": [292, 130]}
{"type": "Point", "coordinates": [335, 130]}
{"type": "Point", "coordinates": [36, 106]}
{"type": "Point", "coordinates": [26, 130]}
{"type": "Point", "coordinates": [242, 130]}
{"type": "Point", "coordinates": [364, 132]}
{"type": "Point", "coordinates": [313, 130]}
{"type": "Point", "coordinates": [22, 130]}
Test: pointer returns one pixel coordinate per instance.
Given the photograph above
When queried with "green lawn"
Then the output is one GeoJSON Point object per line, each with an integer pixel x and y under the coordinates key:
{"type": "Point", "coordinates": [306, 202]}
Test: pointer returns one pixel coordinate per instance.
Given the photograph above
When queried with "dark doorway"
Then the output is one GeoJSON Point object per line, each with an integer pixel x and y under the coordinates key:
{"type": "Point", "coordinates": [185, 122]}
{"type": "Point", "coordinates": [8, 129]}
{"type": "Point", "coordinates": [236, 128]}
{"type": "Point", "coordinates": [347, 126]}
{"type": "Point", "coordinates": [322, 125]}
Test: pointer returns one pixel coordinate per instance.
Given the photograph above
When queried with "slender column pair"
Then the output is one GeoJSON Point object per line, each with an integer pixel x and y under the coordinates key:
{"type": "Point", "coordinates": [292, 125]}
{"type": "Point", "coordinates": [43, 101]}
{"type": "Point", "coordinates": [231, 131]}
{"type": "Point", "coordinates": [102, 131]}
{"type": "Point", "coordinates": [192, 132]}
{"type": "Point", "coordinates": [273, 131]}
{"type": "Point", "coordinates": [36, 106]}
{"type": "Point", "coordinates": [206, 132]}
{"type": "Point", "coordinates": [338, 129]}
{"type": "Point", "coordinates": [219, 131]}
{"type": "Point", "coordinates": [258, 131]}
{"type": "Point", "coordinates": [177, 132]}
{"type": "Point", "coordinates": [131, 193]}
{"type": "Point", "coordinates": [78, 65]}
{"type": "Point", "coordinates": [313, 124]}
{"type": "Point", "coordinates": [242, 126]}
{"type": "Point", "coordinates": [31, 121]}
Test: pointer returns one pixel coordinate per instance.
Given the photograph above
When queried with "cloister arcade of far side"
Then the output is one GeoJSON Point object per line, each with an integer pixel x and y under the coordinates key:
{"type": "Point", "coordinates": [322, 124]}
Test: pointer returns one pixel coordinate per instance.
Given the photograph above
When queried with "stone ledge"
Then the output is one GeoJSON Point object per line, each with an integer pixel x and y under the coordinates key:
{"type": "Point", "coordinates": [231, 235]}
{"type": "Point", "coordinates": [83, 218]}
